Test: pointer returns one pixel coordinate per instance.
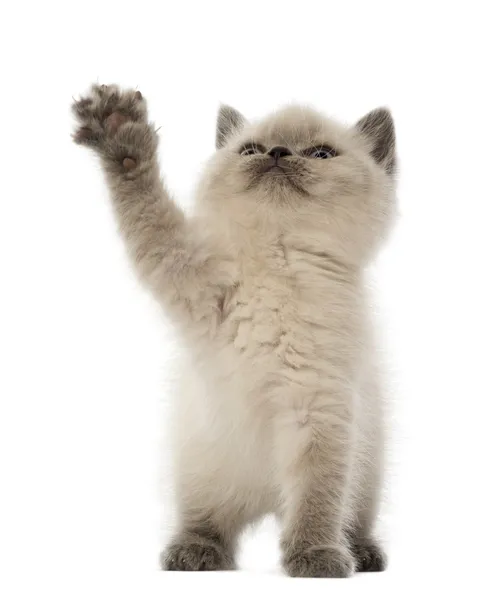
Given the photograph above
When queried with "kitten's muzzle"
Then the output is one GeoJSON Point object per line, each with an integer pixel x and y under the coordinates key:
{"type": "Point", "coordinates": [276, 159]}
{"type": "Point", "coordinates": [274, 165]}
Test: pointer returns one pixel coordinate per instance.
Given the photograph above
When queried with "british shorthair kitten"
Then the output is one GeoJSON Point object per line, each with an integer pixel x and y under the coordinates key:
{"type": "Point", "coordinates": [280, 408]}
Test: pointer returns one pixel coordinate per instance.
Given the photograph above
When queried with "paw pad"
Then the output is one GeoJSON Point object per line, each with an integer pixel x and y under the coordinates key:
{"type": "Point", "coordinates": [129, 163]}
{"type": "Point", "coordinates": [115, 120]}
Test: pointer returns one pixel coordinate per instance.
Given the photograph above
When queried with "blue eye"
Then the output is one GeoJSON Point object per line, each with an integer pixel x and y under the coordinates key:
{"type": "Point", "coordinates": [322, 152]}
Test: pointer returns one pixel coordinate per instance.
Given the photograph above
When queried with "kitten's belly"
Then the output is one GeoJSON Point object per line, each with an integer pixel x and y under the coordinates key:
{"type": "Point", "coordinates": [223, 440]}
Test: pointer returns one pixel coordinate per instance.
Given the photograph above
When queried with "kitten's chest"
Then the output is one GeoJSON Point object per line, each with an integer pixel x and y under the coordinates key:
{"type": "Point", "coordinates": [291, 313]}
{"type": "Point", "coordinates": [270, 318]}
{"type": "Point", "coordinates": [260, 313]}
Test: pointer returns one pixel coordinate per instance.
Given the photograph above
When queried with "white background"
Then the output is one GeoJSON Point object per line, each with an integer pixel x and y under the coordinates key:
{"type": "Point", "coordinates": [86, 354]}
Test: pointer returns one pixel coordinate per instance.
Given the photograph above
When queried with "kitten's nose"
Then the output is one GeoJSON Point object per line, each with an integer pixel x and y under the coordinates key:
{"type": "Point", "coordinates": [279, 152]}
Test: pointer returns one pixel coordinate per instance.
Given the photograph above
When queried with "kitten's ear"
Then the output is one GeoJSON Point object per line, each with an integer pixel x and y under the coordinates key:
{"type": "Point", "coordinates": [378, 128]}
{"type": "Point", "coordinates": [229, 121]}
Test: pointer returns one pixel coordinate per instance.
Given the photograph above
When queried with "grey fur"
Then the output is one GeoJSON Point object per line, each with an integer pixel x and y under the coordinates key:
{"type": "Point", "coordinates": [369, 556]}
{"type": "Point", "coordinates": [229, 121]}
{"type": "Point", "coordinates": [193, 552]}
{"type": "Point", "coordinates": [319, 561]}
{"type": "Point", "coordinates": [378, 128]}
{"type": "Point", "coordinates": [280, 405]}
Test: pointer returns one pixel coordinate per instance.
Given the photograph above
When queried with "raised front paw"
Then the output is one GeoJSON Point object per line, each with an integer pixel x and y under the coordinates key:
{"type": "Point", "coordinates": [320, 561]}
{"type": "Point", "coordinates": [114, 122]}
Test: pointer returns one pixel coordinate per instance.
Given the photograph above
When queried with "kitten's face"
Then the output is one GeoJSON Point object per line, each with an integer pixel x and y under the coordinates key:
{"type": "Point", "coordinates": [298, 165]}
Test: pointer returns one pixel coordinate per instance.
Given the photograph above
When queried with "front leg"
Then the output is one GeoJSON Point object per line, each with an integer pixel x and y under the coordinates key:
{"type": "Point", "coordinates": [166, 250]}
{"type": "Point", "coordinates": [314, 445]}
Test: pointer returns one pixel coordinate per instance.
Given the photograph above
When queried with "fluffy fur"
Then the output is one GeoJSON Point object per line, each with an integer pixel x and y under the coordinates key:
{"type": "Point", "coordinates": [280, 409]}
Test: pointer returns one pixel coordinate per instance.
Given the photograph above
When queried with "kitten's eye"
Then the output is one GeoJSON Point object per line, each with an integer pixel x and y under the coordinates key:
{"type": "Point", "coordinates": [321, 152]}
{"type": "Point", "coordinates": [250, 149]}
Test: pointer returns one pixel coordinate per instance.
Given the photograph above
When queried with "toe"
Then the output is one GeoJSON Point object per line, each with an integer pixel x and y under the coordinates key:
{"type": "Point", "coordinates": [369, 557]}
{"type": "Point", "coordinates": [325, 561]}
{"type": "Point", "coordinates": [129, 163]}
{"type": "Point", "coordinates": [196, 556]}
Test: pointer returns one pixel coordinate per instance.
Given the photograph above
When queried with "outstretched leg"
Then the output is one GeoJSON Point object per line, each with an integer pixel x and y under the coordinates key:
{"type": "Point", "coordinates": [168, 252]}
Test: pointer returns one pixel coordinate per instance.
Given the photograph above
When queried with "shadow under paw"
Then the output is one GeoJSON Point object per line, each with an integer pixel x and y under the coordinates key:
{"type": "Point", "coordinates": [197, 554]}
{"type": "Point", "coordinates": [369, 557]}
{"type": "Point", "coordinates": [320, 561]}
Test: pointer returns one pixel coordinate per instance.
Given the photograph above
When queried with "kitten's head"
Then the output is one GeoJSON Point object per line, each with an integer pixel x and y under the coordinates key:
{"type": "Point", "coordinates": [307, 172]}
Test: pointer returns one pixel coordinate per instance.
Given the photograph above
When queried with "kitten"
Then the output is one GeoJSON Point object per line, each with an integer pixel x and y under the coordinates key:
{"type": "Point", "coordinates": [280, 409]}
